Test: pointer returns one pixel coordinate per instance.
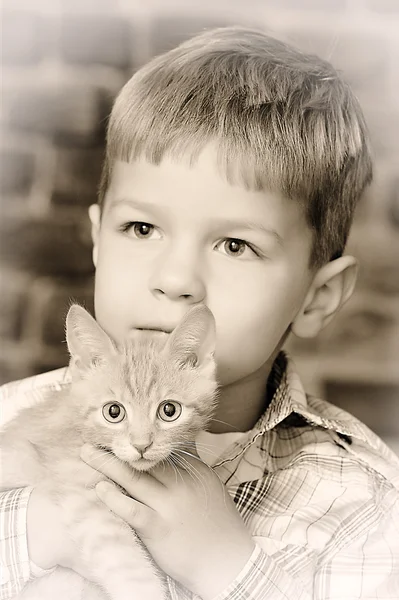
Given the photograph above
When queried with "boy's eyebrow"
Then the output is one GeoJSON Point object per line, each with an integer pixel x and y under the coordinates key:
{"type": "Point", "coordinates": [132, 202]}
{"type": "Point", "coordinates": [218, 223]}
{"type": "Point", "coordinates": [251, 225]}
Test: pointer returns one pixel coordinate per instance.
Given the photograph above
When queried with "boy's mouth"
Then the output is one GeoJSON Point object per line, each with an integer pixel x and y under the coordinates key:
{"type": "Point", "coordinates": [154, 330]}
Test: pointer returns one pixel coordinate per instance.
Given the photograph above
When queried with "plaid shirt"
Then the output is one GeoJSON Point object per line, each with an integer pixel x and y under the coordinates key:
{"type": "Point", "coordinates": [316, 488]}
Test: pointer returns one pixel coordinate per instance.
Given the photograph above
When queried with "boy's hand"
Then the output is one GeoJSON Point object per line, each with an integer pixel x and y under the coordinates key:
{"type": "Point", "coordinates": [184, 516]}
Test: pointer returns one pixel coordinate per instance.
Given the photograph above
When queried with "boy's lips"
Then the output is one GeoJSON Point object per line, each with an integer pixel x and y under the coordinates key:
{"type": "Point", "coordinates": [155, 329]}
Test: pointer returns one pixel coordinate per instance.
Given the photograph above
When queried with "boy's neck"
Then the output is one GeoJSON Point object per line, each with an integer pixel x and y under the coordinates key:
{"type": "Point", "coordinates": [242, 403]}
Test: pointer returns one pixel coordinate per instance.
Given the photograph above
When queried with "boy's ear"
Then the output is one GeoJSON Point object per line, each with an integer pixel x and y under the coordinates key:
{"type": "Point", "coordinates": [95, 218]}
{"type": "Point", "coordinates": [87, 342]}
{"type": "Point", "coordinates": [331, 287]}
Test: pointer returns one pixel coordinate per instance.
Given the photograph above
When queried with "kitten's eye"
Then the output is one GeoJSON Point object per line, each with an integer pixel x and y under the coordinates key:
{"type": "Point", "coordinates": [169, 410]}
{"type": "Point", "coordinates": [113, 412]}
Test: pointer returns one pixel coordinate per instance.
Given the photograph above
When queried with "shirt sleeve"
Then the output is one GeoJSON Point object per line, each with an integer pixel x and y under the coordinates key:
{"type": "Point", "coordinates": [368, 567]}
{"type": "Point", "coordinates": [14, 565]}
{"type": "Point", "coordinates": [260, 579]}
{"type": "Point", "coordinates": [360, 566]}
{"type": "Point", "coordinates": [360, 561]}
{"type": "Point", "coordinates": [263, 579]}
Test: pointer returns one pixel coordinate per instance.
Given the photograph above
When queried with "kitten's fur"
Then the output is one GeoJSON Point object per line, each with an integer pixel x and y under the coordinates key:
{"type": "Point", "coordinates": [41, 445]}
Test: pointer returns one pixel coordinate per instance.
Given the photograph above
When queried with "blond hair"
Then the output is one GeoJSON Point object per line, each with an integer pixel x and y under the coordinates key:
{"type": "Point", "coordinates": [282, 121]}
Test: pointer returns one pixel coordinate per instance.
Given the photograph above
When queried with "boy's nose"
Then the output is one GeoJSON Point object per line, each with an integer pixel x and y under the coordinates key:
{"type": "Point", "coordinates": [178, 278]}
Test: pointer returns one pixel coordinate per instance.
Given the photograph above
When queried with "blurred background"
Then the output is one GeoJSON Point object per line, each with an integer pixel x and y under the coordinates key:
{"type": "Point", "coordinates": [63, 61]}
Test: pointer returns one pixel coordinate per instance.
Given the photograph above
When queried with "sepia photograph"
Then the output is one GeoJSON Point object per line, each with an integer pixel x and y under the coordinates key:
{"type": "Point", "coordinates": [199, 307]}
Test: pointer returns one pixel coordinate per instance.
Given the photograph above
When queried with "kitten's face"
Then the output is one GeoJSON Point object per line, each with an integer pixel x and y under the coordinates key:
{"type": "Point", "coordinates": [148, 401]}
{"type": "Point", "coordinates": [145, 407]}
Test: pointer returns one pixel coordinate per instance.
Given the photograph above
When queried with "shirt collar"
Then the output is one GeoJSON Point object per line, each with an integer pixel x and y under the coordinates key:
{"type": "Point", "coordinates": [290, 400]}
{"type": "Point", "coordinates": [291, 406]}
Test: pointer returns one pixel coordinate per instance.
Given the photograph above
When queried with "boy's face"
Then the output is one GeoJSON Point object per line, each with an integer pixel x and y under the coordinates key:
{"type": "Point", "coordinates": [173, 235]}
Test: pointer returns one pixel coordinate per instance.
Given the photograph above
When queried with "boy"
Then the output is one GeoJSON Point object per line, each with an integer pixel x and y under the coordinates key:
{"type": "Point", "coordinates": [233, 167]}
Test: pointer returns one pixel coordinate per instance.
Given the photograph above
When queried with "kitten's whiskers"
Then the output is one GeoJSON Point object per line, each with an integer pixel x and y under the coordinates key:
{"type": "Point", "coordinates": [185, 444]}
{"type": "Point", "coordinates": [226, 423]}
{"type": "Point", "coordinates": [190, 469]}
{"type": "Point", "coordinates": [195, 445]}
{"type": "Point", "coordinates": [170, 461]}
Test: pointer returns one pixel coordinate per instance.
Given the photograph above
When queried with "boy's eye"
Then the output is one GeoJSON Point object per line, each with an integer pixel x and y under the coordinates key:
{"type": "Point", "coordinates": [143, 229]}
{"type": "Point", "coordinates": [113, 412]}
{"type": "Point", "coordinates": [235, 247]}
{"type": "Point", "coordinates": [140, 229]}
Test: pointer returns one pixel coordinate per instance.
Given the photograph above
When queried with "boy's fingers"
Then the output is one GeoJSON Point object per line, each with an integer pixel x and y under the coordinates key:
{"type": "Point", "coordinates": [135, 514]}
{"type": "Point", "coordinates": [185, 461]}
{"type": "Point", "coordinates": [140, 486]}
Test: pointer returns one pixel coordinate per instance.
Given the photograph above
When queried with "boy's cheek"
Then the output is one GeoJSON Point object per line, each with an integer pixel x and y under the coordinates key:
{"type": "Point", "coordinates": [247, 352]}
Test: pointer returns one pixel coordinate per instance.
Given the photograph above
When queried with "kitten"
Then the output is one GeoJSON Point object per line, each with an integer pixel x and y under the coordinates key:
{"type": "Point", "coordinates": [143, 402]}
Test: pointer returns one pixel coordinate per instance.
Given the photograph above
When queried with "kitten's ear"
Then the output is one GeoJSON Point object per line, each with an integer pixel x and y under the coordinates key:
{"type": "Point", "coordinates": [193, 341]}
{"type": "Point", "coordinates": [87, 342]}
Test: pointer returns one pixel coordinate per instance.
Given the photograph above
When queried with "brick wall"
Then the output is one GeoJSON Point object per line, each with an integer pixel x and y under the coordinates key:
{"type": "Point", "coordinates": [64, 61]}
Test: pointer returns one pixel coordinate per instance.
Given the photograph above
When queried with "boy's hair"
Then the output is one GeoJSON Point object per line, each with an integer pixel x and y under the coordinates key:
{"type": "Point", "coordinates": [282, 121]}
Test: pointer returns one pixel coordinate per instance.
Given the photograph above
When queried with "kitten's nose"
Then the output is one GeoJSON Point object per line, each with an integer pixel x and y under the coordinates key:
{"type": "Point", "coordinates": [142, 447]}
